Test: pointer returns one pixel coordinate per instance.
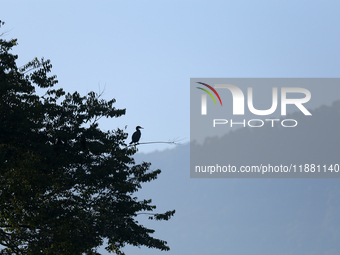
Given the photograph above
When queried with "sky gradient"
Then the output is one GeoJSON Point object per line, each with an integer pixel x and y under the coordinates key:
{"type": "Point", "coordinates": [143, 53]}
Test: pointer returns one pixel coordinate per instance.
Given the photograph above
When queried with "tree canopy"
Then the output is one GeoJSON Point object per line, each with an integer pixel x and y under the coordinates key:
{"type": "Point", "coordinates": [65, 184]}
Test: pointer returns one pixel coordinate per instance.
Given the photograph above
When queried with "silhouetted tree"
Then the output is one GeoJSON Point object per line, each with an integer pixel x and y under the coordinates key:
{"type": "Point", "coordinates": [65, 184]}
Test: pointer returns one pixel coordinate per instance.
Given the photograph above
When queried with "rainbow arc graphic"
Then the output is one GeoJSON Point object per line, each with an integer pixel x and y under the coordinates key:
{"type": "Point", "coordinates": [204, 97]}
{"type": "Point", "coordinates": [209, 93]}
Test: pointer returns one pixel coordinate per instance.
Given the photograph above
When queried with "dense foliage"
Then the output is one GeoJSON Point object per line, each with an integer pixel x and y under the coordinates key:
{"type": "Point", "coordinates": [65, 184]}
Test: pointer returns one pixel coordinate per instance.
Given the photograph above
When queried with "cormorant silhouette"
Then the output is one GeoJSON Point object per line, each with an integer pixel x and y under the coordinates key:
{"type": "Point", "coordinates": [136, 135]}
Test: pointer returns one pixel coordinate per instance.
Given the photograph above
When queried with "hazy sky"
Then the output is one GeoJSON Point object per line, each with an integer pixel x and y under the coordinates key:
{"type": "Point", "coordinates": [143, 53]}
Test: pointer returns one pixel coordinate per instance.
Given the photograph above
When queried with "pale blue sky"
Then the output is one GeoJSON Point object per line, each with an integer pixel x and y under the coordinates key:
{"type": "Point", "coordinates": [144, 54]}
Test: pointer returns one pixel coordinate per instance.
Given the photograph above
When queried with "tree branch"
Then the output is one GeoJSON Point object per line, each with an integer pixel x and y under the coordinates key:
{"type": "Point", "coordinates": [174, 141]}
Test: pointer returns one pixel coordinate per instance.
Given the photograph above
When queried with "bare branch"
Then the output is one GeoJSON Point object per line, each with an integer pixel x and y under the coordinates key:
{"type": "Point", "coordinates": [174, 141]}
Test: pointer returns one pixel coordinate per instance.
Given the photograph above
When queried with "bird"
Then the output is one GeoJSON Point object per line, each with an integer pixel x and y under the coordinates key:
{"type": "Point", "coordinates": [136, 135]}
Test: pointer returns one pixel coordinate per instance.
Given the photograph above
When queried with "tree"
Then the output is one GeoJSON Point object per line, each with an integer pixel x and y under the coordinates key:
{"type": "Point", "coordinates": [65, 184]}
